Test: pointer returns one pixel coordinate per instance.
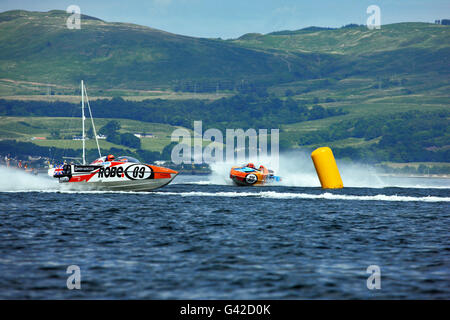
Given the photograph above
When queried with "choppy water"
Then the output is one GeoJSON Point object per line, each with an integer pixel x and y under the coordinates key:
{"type": "Point", "coordinates": [195, 239]}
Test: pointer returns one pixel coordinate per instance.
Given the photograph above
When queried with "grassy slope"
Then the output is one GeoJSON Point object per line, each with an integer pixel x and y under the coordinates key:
{"type": "Point", "coordinates": [37, 46]}
{"type": "Point", "coordinates": [359, 40]}
{"type": "Point", "coordinates": [24, 128]}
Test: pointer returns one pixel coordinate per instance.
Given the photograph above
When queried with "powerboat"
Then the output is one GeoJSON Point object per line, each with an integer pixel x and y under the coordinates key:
{"type": "Point", "coordinates": [248, 175]}
{"type": "Point", "coordinates": [108, 173]}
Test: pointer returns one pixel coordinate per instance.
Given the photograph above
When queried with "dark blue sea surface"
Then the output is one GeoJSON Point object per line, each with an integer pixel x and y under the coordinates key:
{"type": "Point", "coordinates": [194, 241]}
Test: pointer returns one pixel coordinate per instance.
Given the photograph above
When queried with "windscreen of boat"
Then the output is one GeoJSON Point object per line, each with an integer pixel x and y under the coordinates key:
{"type": "Point", "coordinates": [128, 159]}
{"type": "Point", "coordinates": [99, 160]}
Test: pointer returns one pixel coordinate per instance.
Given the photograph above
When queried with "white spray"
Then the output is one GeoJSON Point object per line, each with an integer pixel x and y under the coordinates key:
{"type": "Point", "coordinates": [15, 180]}
{"type": "Point", "coordinates": [297, 170]}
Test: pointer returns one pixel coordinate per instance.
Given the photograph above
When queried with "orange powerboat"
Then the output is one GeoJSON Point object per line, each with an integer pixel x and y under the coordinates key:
{"type": "Point", "coordinates": [249, 175]}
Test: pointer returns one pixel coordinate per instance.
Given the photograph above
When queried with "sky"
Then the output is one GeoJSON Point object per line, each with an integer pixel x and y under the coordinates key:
{"type": "Point", "coordinates": [233, 18]}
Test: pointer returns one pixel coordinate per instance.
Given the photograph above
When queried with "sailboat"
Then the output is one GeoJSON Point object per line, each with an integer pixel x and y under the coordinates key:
{"type": "Point", "coordinates": [123, 173]}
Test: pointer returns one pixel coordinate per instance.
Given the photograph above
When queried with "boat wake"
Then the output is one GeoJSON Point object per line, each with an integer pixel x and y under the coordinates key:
{"type": "Point", "coordinates": [291, 195]}
{"type": "Point", "coordinates": [15, 180]}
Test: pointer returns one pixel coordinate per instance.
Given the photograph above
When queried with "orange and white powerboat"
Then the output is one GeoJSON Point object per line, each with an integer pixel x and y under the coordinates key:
{"type": "Point", "coordinates": [108, 173]}
{"type": "Point", "coordinates": [249, 175]}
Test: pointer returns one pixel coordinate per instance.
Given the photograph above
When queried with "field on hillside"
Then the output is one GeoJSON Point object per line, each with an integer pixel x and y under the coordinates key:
{"type": "Point", "coordinates": [25, 128]}
{"type": "Point", "coordinates": [35, 91]}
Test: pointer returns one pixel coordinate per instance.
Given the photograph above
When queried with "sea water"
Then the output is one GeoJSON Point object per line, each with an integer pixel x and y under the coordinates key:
{"type": "Point", "coordinates": [202, 238]}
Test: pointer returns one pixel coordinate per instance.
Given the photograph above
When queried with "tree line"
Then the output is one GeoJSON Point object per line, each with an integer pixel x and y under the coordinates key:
{"type": "Point", "coordinates": [403, 137]}
{"type": "Point", "coordinates": [21, 150]}
{"type": "Point", "coordinates": [239, 111]}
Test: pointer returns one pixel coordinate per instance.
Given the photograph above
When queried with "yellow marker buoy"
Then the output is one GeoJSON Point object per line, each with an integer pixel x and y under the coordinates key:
{"type": "Point", "coordinates": [326, 168]}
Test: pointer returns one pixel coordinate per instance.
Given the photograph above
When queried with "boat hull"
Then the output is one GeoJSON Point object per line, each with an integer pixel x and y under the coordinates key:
{"type": "Point", "coordinates": [117, 186]}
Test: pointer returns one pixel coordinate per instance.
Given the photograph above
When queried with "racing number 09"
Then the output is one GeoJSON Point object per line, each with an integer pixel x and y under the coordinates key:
{"type": "Point", "coordinates": [139, 172]}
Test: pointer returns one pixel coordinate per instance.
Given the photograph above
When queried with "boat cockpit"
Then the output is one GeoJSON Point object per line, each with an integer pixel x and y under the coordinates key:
{"type": "Point", "coordinates": [118, 159]}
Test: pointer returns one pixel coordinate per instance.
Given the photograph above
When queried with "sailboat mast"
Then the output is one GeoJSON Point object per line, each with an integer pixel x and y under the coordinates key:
{"type": "Point", "coordinates": [82, 117]}
{"type": "Point", "coordinates": [92, 121]}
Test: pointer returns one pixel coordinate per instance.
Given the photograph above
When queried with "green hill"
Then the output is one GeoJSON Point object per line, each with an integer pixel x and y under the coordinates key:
{"type": "Point", "coordinates": [353, 40]}
{"type": "Point", "coordinates": [37, 46]}
{"type": "Point", "coordinates": [403, 48]}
